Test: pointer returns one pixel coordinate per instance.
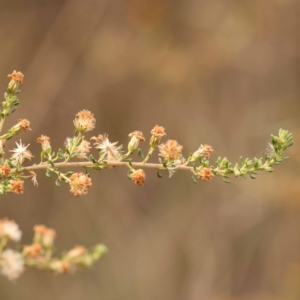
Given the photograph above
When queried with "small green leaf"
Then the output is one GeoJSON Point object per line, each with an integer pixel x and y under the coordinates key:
{"type": "Point", "coordinates": [68, 174]}
{"type": "Point", "coordinates": [92, 159]}
{"type": "Point", "coordinates": [226, 180]}
{"type": "Point", "coordinates": [57, 183]}
{"type": "Point", "coordinates": [48, 173]}
{"type": "Point", "coordinates": [130, 162]}
{"type": "Point", "coordinates": [158, 174]}
{"type": "Point", "coordinates": [140, 154]}
{"type": "Point", "coordinates": [252, 176]}
{"type": "Point", "coordinates": [129, 174]}
{"type": "Point", "coordinates": [194, 179]}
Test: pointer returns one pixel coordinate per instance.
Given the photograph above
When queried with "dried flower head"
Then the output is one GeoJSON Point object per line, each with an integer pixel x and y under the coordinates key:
{"type": "Point", "coordinates": [157, 133]}
{"type": "Point", "coordinates": [4, 170]}
{"type": "Point", "coordinates": [203, 151]}
{"type": "Point", "coordinates": [206, 174]}
{"type": "Point", "coordinates": [136, 137]}
{"type": "Point", "coordinates": [16, 186]}
{"type": "Point", "coordinates": [79, 184]}
{"type": "Point", "coordinates": [138, 177]}
{"type": "Point", "coordinates": [76, 252]}
{"type": "Point", "coordinates": [84, 121]}
{"type": "Point", "coordinates": [107, 150]}
{"type": "Point", "coordinates": [60, 266]}
{"type": "Point", "coordinates": [17, 76]}
{"type": "Point", "coordinates": [21, 154]}
{"type": "Point", "coordinates": [137, 134]}
{"type": "Point", "coordinates": [44, 235]}
{"type": "Point", "coordinates": [12, 264]}
{"type": "Point", "coordinates": [83, 149]}
{"type": "Point", "coordinates": [34, 250]}
{"type": "Point", "coordinates": [171, 150]}
{"type": "Point", "coordinates": [24, 124]}
{"type": "Point", "coordinates": [44, 141]}
{"type": "Point", "coordinates": [10, 230]}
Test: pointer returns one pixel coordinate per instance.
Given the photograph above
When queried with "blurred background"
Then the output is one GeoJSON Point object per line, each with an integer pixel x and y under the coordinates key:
{"type": "Point", "coordinates": [220, 72]}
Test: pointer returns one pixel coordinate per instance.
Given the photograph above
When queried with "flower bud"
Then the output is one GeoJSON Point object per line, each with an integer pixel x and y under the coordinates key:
{"type": "Point", "coordinates": [157, 133]}
{"type": "Point", "coordinates": [16, 79]}
{"type": "Point", "coordinates": [136, 138]}
{"type": "Point", "coordinates": [44, 141]}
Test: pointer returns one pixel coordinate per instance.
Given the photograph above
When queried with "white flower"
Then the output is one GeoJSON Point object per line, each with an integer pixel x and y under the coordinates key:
{"type": "Point", "coordinates": [12, 264]}
{"type": "Point", "coordinates": [21, 153]}
{"type": "Point", "coordinates": [10, 229]}
{"type": "Point", "coordinates": [108, 150]}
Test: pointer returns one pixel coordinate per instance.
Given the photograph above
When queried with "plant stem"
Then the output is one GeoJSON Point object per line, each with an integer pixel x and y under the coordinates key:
{"type": "Point", "coordinates": [110, 164]}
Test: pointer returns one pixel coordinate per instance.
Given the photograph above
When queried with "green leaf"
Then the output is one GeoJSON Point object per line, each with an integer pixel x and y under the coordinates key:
{"type": "Point", "coordinates": [57, 183]}
{"type": "Point", "coordinates": [129, 174]}
{"type": "Point", "coordinates": [48, 173]}
{"type": "Point", "coordinates": [140, 154]}
{"type": "Point", "coordinates": [194, 179]}
{"type": "Point", "coordinates": [252, 176]}
{"type": "Point", "coordinates": [68, 174]}
{"type": "Point", "coordinates": [92, 159]}
{"type": "Point", "coordinates": [130, 162]}
{"type": "Point", "coordinates": [226, 180]}
{"type": "Point", "coordinates": [158, 174]}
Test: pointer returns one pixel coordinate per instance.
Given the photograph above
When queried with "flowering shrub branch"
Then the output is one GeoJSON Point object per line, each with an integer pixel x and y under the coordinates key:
{"type": "Point", "coordinates": [13, 172]}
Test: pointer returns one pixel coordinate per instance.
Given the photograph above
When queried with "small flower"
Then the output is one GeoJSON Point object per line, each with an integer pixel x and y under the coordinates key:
{"type": "Point", "coordinates": [33, 178]}
{"type": "Point", "coordinates": [203, 151]}
{"type": "Point", "coordinates": [79, 184]}
{"type": "Point", "coordinates": [171, 150]}
{"type": "Point", "coordinates": [24, 124]}
{"type": "Point", "coordinates": [108, 151]}
{"type": "Point", "coordinates": [44, 141]}
{"type": "Point", "coordinates": [206, 174]}
{"type": "Point", "coordinates": [10, 230]}
{"type": "Point", "coordinates": [83, 149]}
{"type": "Point", "coordinates": [136, 137]}
{"type": "Point", "coordinates": [16, 186]}
{"type": "Point", "coordinates": [157, 133]}
{"type": "Point", "coordinates": [17, 76]}
{"type": "Point", "coordinates": [48, 237]}
{"type": "Point", "coordinates": [44, 235]}
{"type": "Point", "coordinates": [138, 177]}
{"type": "Point", "coordinates": [4, 170]}
{"type": "Point", "coordinates": [12, 264]}
{"type": "Point", "coordinates": [76, 252]}
{"type": "Point", "coordinates": [84, 121]}
{"type": "Point", "coordinates": [60, 266]}
{"type": "Point", "coordinates": [34, 250]}
{"type": "Point", "coordinates": [21, 154]}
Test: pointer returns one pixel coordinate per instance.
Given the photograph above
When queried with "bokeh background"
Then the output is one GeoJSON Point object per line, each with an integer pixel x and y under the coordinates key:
{"type": "Point", "coordinates": [220, 72]}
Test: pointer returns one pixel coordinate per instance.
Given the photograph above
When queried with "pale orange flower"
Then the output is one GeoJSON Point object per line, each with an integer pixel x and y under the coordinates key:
{"type": "Point", "coordinates": [17, 76]}
{"type": "Point", "coordinates": [16, 186]}
{"type": "Point", "coordinates": [79, 184]}
{"type": "Point", "coordinates": [44, 141]}
{"type": "Point", "coordinates": [206, 174]}
{"type": "Point", "coordinates": [4, 170]}
{"type": "Point", "coordinates": [138, 177]}
{"type": "Point", "coordinates": [24, 124]}
{"type": "Point", "coordinates": [33, 250]}
{"type": "Point", "coordinates": [171, 150]}
{"type": "Point", "coordinates": [84, 121]}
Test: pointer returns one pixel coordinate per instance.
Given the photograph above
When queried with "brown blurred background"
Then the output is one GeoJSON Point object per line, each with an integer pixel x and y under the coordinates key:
{"type": "Point", "coordinates": [221, 72]}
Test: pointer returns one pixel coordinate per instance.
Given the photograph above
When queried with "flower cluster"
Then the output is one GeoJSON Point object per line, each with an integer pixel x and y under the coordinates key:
{"type": "Point", "coordinates": [107, 154]}
{"type": "Point", "coordinates": [39, 254]}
